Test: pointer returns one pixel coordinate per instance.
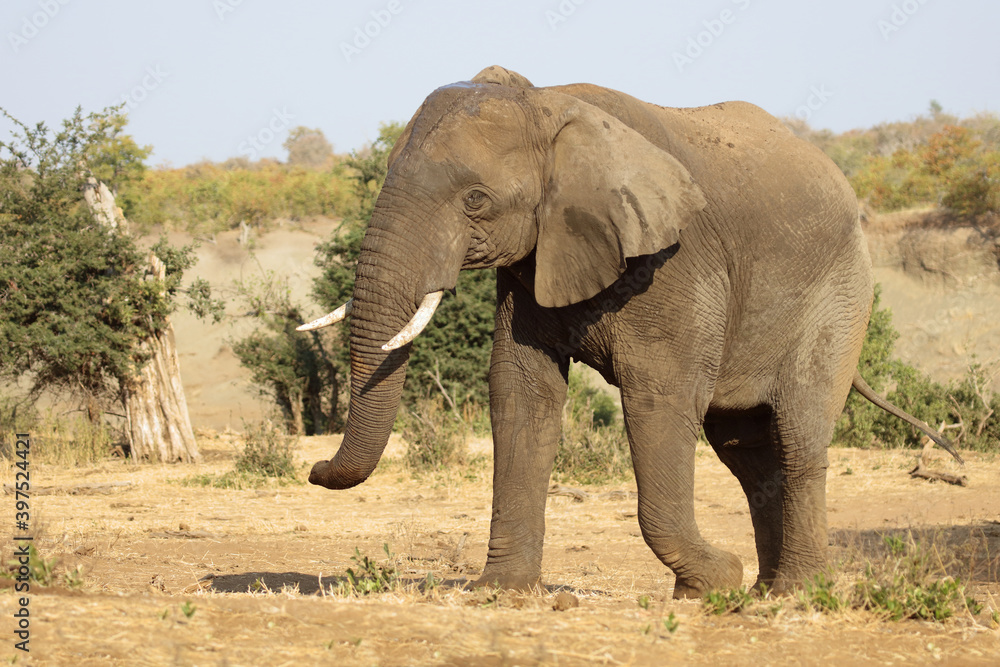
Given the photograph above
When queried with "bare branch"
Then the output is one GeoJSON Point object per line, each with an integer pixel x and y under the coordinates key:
{"type": "Point", "coordinates": [436, 376]}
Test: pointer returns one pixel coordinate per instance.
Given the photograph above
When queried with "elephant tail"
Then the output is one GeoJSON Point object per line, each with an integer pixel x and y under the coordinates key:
{"type": "Point", "coordinates": [862, 388]}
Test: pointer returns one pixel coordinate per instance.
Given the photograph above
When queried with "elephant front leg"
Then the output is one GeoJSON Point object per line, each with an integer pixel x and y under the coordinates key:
{"type": "Point", "coordinates": [662, 434]}
{"type": "Point", "coordinates": [527, 393]}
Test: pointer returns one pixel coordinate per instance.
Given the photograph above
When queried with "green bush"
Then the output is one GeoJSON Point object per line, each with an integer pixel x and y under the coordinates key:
{"type": "Point", "coordinates": [76, 303]}
{"type": "Point", "coordinates": [435, 433]}
{"type": "Point", "coordinates": [266, 459]}
{"type": "Point", "coordinates": [967, 402]}
{"type": "Point", "coordinates": [266, 452]}
{"type": "Point", "coordinates": [301, 372]}
{"type": "Point", "coordinates": [594, 447]}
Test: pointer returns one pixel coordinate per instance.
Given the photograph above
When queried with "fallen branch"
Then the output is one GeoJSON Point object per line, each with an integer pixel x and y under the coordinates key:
{"type": "Point", "coordinates": [932, 475]}
{"type": "Point", "coordinates": [922, 472]}
{"type": "Point", "coordinates": [576, 494]}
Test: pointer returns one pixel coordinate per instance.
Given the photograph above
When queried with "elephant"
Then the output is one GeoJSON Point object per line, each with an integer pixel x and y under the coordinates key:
{"type": "Point", "coordinates": [705, 261]}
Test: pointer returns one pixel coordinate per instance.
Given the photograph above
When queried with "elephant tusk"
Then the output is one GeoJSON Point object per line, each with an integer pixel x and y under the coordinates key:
{"type": "Point", "coordinates": [327, 320]}
{"type": "Point", "coordinates": [417, 322]}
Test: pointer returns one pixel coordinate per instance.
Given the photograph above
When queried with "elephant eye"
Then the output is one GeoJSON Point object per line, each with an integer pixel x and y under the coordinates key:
{"type": "Point", "coordinates": [475, 199]}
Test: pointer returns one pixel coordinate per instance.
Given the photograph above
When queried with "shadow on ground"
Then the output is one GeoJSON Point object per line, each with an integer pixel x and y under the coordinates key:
{"type": "Point", "coordinates": [971, 553]}
{"type": "Point", "coordinates": [310, 584]}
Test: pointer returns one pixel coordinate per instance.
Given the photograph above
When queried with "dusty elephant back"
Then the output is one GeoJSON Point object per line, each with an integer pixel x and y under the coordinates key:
{"type": "Point", "coordinates": [746, 160]}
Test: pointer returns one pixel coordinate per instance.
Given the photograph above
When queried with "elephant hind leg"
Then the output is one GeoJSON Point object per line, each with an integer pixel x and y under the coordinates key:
{"type": "Point", "coordinates": [662, 434]}
{"type": "Point", "coordinates": [804, 422]}
{"type": "Point", "coordinates": [746, 443]}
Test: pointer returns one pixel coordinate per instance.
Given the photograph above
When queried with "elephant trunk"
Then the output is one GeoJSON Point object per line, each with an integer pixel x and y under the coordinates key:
{"type": "Point", "coordinates": [376, 387]}
{"type": "Point", "coordinates": [395, 274]}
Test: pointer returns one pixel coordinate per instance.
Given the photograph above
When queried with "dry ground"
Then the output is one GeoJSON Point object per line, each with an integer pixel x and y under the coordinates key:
{"type": "Point", "coordinates": [251, 563]}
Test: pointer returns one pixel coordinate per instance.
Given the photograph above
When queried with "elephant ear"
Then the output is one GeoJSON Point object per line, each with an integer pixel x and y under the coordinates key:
{"type": "Point", "coordinates": [609, 194]}
{"type": "Point", "coordinates": [502, 77]}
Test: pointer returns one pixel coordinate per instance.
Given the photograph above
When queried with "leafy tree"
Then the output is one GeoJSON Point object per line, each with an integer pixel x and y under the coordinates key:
{"type": "Point", "coordinates": [74, 301]}
{"type": "Point", "coordinates": [116, 159]}
{"type": "Point", "coordinates": [308, 148]}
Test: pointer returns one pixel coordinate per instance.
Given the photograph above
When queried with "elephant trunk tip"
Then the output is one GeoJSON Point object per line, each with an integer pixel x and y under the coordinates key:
{"type": "Point", "coordinates": [331, 476]}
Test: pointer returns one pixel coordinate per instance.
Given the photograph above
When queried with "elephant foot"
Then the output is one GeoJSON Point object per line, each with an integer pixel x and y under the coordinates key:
{"type": "Point", "coordinates": [763, 585]}
{"type": "Point", "coordinates": [785, 583]}
{"type": "Point", "coordinates": [718, 570]}
{"type": "Point", "coordinates": [508, 581]}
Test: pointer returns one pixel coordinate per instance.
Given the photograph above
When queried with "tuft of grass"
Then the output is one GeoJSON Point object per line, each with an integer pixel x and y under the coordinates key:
{"type": "Point", "coordinates": [188, 608]}
{"type": "Point", "coordinates": [267, 452]}
{"type": "Point", "coordinates": [237, 481]}
{"type": "Point", "coordinates": [435, 435]}
{"type": "Point", "coordinates": [820, 594]}
{"type": "Point", "coordinates": [671, 623]}
{"type": "Point", "coordinates": [912, 583]}
{"type": "Point", "coordinates": [265, 460]}
{"type": "Point", "coordinates": [727, 601]}
{"type": "Point", "coordinates": [73, 579]}
{"type": "Point", "coordinates": [370, 577]}
{"type": "Point", "coordinates": [909, 582]}
{"type": "Point", "coordinates": [42, 571]}
{"type": "Point", "coordinates": [59, 441]}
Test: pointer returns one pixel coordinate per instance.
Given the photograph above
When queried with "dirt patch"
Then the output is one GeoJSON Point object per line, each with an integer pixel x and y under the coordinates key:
{"type": "Point", "coordinates": [257, 566]}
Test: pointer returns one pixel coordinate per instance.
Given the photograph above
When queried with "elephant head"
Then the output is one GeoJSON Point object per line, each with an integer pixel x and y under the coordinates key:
{"type": "Point", "coordinates": [494, 173]}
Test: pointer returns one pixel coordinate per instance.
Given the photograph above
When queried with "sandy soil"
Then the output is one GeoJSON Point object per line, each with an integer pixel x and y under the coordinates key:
{"type": "Point", "coordinates": [252, 563]}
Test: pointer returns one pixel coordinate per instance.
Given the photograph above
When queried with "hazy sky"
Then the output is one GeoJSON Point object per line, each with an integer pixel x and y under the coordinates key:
{"type": "Point", "coordinates": [210, 78]}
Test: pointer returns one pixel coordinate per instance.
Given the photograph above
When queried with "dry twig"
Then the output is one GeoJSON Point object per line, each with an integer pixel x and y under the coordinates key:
{"type": "Point", "coordinates": [922, 472]}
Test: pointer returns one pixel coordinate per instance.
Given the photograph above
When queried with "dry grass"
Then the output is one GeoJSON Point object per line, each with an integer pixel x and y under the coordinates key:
{"type": "Point", "coordinates": [260, 568]}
